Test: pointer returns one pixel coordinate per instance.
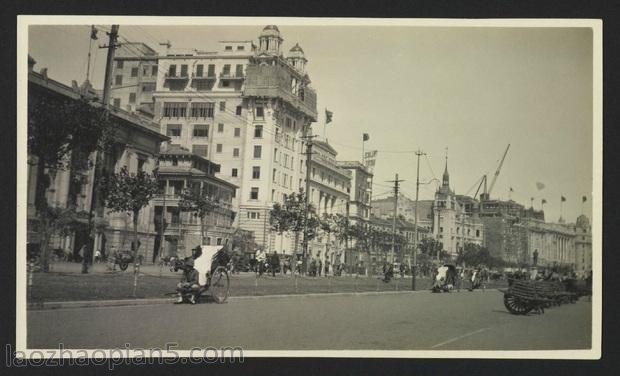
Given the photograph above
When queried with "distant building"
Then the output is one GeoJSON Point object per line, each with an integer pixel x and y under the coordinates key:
{"type": "Point", "coordinates": [179, 169]}
{"type": "Point", "coordinates": [455, 221]}
{"type": "Point", "coordinates": [403, 251]}
{"type": "Point", "coordinates": [583, 246]}
{"type": "Point", "coordinates": [134, 78]}
{"type": "Point", "coordinates": [384, 208]}
{"type": "Point", "coordinates": [330, 186]}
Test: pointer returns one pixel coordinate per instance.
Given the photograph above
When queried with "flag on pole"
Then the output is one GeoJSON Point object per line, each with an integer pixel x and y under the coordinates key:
{"type": "Point", "coordinates": [365, 137]}
{"type": "Point", "coordinates": [543, 201]}
{"type": "Point", "coordinates": [584, 199]}
{"type": "Point", "coordinates": [371, 154]}
{"type": "Point", "coordinates": [328, 116]}
{"type": "Point", "coordinates": [93, 32]}
{"type": "Point", "coordinates": [511, 190]}
{"type": "Point", "coordinates": [540, 185]}
{"type": "Point", "coordinates": [563, 198]}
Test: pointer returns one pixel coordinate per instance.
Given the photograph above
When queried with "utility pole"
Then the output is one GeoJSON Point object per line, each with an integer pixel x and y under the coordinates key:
{"type": "Point", "coordinates": [396, 182]}
{"type": "Point", "coordinates": [415, 221]}
{"type": "Point", "coordinates": [113, 35]}
{"type": "Point", "coordinates": [308, 137]}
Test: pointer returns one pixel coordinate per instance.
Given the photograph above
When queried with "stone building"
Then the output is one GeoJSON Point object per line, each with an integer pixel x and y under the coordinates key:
{"type": "Point", "coordinates": [179, 169]}
{"type": "Point", "coordinates": [136, 144]}
{"type": "Point", "coordinates": [246, 108]}
{"type": "Point", "coordinates": [583, 246]}
{"type": "Point", "coordinates": [330, 186]}
{"type": "Point", "coordinates": [455, 221]}
{"type": "Point", "coordinates": [384, 208]}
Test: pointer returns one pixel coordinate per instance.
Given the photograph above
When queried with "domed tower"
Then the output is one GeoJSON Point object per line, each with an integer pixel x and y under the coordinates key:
{"type": "Point", "coordinates": [270, 40]}
{"type": "Point", "coordinates": [297, 58]}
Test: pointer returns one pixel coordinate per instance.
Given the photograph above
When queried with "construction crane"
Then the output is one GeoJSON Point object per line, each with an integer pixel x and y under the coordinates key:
{"type": "Point", "coordinates": [486, 193]}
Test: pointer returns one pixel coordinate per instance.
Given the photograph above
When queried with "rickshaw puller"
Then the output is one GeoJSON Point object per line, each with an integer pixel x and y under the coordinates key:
{"type": "Point", "coordinates": [189, 282]}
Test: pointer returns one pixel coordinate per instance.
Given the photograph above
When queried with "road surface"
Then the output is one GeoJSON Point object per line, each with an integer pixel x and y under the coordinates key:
{"type": "Point", "coordinates": [409, 321]}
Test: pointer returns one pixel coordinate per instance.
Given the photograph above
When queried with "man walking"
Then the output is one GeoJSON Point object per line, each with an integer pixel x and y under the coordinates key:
{"type": "Point", "coordinates": [275, 262]}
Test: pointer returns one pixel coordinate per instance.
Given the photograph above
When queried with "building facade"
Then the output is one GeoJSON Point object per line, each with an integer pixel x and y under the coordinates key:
{"type": "Point", "coordinates": [455, 223]}
{"type": "Point", "coordinates": [180, 231]}
{"type": "Point", "coordinates": [135, 146]}
{"type": "Point", "coordinates": [246, 108]}
{"type": "Point", "coordinates": [583, 246]}
{"type": "Point", "coordinates": [134, 78]}
{"type": "Point", "coordinates": [384, 208]}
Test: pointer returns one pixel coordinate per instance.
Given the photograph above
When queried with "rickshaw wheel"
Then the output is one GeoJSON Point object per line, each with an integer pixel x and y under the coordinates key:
{"type": "Point", "coordinates": [220, 285]}
{"type": "Point", "coordinates": [123, 266]}
{"type": "Point", "coordinates": [515, 305]}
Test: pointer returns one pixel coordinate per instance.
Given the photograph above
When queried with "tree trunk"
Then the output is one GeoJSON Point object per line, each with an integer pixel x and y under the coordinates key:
{"type": "Point", "coordinates": [135, 236]}
{"type": "Point", "coordinates": [202, 231]}
{"type": "Point", "coordinates": [41, 208]}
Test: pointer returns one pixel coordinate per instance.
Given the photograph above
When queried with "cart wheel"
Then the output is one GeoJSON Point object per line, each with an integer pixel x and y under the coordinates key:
{"type": "Point", "coordinates": [220, 285]}
{"type": "Point", "coordinates": [515, 305]}
{"type": "Point", "coordinates": [123, 266]}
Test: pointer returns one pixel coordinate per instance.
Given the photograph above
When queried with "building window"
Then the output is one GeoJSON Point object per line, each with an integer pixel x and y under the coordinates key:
{"type": "Point", "coordinates": [441, 229]}
{"type": "Point", "coordinates": [256, 172]}
{"type": "Point", "coordinates": [184, 70]}
{"type": "Point", "coordinates": [199, 70]}
{"type": "Point", "coordinates": [274, 175]}
{"type": "Point", "coordinates": [239, 70]}
{"type": "Point", "coordinates": [119, 64]}
{"type": "Point", "coordinates": [134, 72]}
{"type": "Point", "coordinates": [257, 151]}
{"type": "Point", "coordinates": [200, 150]}
{"type": "Point", "coordinates": [237, 132]}
{"type": "Point", "coordinates": [220, 128]}
{"type": "Point", "coordinates": [173, 130]}
{"type": "Point", "coordinates": [118, 80]}
{"type": "Point", "coordinates": [225, 83]}
{"type": "Point", "coordinates": [154, 70]}
{"type": "Point", "coordinates": [238, 111]}
{"type": "Point", "coordinates": [260, 113]}
{"type": "Point", "coordinates": [211, 70]}
{"type": "Point", "coordinates": [117, 102]}
{"type": "Point", "coordinates": [234, 172]}
{"type": "Point", "coordinates": [202, 109]}
{"type": "Point", "coordinates": [218, 148]}
{"type": "Point", "coordinates": [132, 97]}
{"type": "Point", "coordinates": [222, 106]}
{"type": "Point", "coordinates": [219, 241]}
{"type": "Point", "coordinates": [258, 131]}
{"type": "Point", "coordinates": [228, 48]}
{"type": "Point", "coordinates": [477, 233]}
{"type": "Point", "coordinates": [240, 48]}
{"type": "Point", "coordinates": [254, 193]}
{"type": "Point", "coordinates": [172, 71]}
{"type": "Point", "coordinates": [148, 86]}
{"type": "Point", "coordinates": [226, 70]}
{"type": "Point", "coordinates": [236, 152]}
{"type": "Point", "coordinates": [175, 109]}
{"type": "Point", "coordinates": [201, 130]}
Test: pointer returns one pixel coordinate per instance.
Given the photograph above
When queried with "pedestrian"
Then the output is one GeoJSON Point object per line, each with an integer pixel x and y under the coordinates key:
{"type": "Point", "coordinates": [275, 262]}
{"type": "Point", "coordinates": [326, 267]}
{"type": "Point", "coordinates": [97, 256]}
{"type": "Point", "coordinates": [402, 270]}
{"type": "Point", "coordinates": [320, 266]}
{"type": "Point", "coordinates": [261, 258]}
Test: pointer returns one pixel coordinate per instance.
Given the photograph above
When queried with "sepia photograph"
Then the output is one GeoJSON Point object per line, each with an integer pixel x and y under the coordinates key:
{"type": "Point", "coordinates": [219, 187]}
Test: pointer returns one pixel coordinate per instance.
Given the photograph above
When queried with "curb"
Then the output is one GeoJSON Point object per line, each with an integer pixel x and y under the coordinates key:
{"type": "Point", "coordinates": [155, 301]}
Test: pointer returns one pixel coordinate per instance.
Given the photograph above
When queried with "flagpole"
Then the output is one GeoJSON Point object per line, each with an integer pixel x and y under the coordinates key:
{"type": "Point", "coordinates": [325, 126]}
{"type": "Point", "coordinates": [363, 154]}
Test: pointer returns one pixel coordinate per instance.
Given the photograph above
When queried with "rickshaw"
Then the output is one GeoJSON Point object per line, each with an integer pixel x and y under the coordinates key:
{"type": "Point", "coordinates": [446, 278]}
{"type": "Point", "coordinates": [210, 261]}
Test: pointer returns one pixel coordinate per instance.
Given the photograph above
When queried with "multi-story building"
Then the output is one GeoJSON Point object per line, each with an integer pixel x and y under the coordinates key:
{"type": "Point", "coordinates": [134, 77]}
{"type": "Point", "coordinates": [136, 144]}
{"type": "Point", "coordinates": [454, 223]}
{"type": "Point", "coordinates": [583, 246]}
{"type": "Point", "coordinates": [384, 208]}
{"type": "Point", "coordinates": [247, 109]}
{"type": "Point", "coordinates": [403, 250]}
{"type": "Point", "coordinates": [361, 190]}
{"type": "Point", "coordinates": [180, 169]}
{"type": "Point", "coordinates": [330, 186]}
{"type": "Point", "coordinates": [544, 243]}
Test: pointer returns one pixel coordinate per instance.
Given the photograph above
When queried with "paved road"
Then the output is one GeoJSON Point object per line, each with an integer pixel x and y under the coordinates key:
{"type": "Point", "coordinates": [419, 320]}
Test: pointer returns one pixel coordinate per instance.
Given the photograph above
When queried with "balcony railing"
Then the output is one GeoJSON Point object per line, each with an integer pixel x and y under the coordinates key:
{"type": "Point", "coordinates": [208, 76]}
{"type": "Point", "coordinates": [231, 76]}
{"type": "Point", "coordinates": [275, 81]}
{"type": "Point", "coordinates": [179, 76]}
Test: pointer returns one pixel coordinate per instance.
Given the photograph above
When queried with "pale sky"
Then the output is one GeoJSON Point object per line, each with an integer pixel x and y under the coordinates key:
{"type": "Point", "coordinates": [471, 90]}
